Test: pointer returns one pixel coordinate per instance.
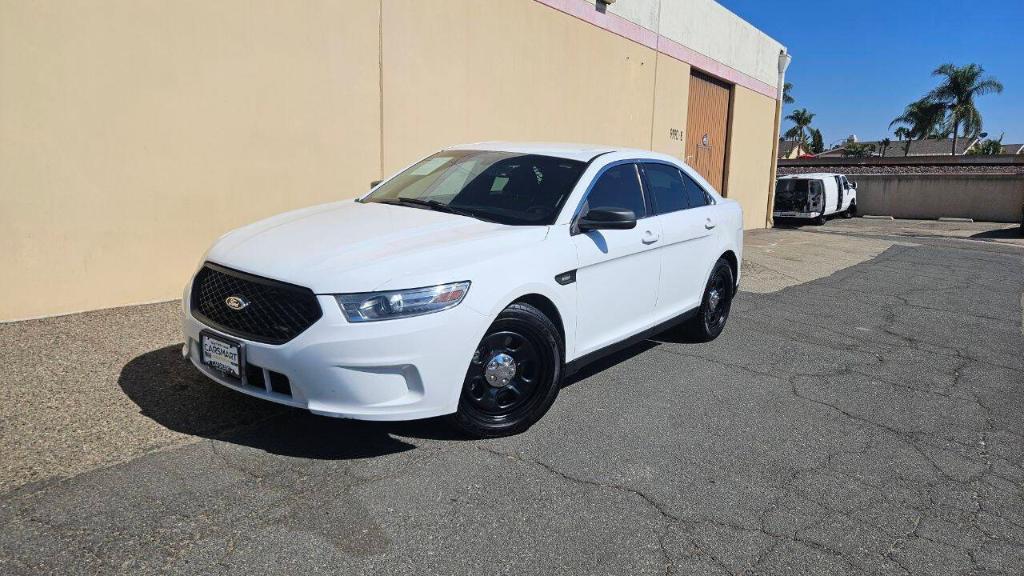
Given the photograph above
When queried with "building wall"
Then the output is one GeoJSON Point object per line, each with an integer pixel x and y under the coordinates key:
{"type": "Point", "coordinates": [508, 71]}
{"type": "Point", "coordinates": [132, 134]}
{"type": "Point", "coordinates": [709, 29]}
{"type": "Point", "coordinates": [750, 154]}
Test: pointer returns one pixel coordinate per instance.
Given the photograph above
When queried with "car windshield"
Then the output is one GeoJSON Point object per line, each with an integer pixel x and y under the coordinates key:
{"type": "Point", "coordinates": [503, 187]}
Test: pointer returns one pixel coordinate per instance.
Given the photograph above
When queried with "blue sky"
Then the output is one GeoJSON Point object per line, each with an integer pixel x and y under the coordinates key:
{"type": "Point", "coordinates": [857, 64]}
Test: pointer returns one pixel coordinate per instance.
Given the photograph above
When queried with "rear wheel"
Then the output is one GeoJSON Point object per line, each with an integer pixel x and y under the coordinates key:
{"type": "Point", "coordinates": [715, 305]}
{"type": "Point", "coordinates": [819, 221]}
{"type": "Point", "coordinates": [513, 377]}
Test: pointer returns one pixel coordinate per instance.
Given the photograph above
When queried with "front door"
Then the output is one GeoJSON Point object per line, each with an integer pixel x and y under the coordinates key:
{"type": "Point", "coordinates": [617, 278]}
{"type": "Point", "coordinates": [842, 193]}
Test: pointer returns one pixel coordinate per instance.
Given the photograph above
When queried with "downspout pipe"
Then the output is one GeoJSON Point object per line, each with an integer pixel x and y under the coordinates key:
{"type": "Point", "coordinates": [784, 60]}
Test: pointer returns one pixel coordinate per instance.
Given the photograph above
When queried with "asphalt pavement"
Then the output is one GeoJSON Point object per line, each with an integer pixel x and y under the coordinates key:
{"type": "Point", "coordinates": [860, 414]}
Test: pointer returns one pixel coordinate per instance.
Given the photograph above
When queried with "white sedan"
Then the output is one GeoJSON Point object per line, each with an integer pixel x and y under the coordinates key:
{"type": "Point", "coordinates": [469, 284]}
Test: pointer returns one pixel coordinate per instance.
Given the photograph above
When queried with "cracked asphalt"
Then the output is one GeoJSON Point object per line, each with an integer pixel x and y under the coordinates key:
{"type": "Point", "coordinates": [861, 414]}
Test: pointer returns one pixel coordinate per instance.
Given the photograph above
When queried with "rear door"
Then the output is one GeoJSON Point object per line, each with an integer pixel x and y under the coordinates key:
{"type": "Point", "coordinates": [617, 278]}
{"type": "Point", "coordinates": [688, 220]}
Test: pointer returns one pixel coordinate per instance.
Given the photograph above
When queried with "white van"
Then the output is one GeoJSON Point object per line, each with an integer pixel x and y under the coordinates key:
{"type": "Point", "coordinates": [815, 197]}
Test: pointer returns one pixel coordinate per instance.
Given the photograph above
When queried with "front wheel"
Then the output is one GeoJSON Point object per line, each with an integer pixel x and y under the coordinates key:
{"type": "Point", "coordinates": [513, 377]}
{"type": "Point", "coordinates": [851, 211]}
{"type": "Point", "coordinates": [715, 305]}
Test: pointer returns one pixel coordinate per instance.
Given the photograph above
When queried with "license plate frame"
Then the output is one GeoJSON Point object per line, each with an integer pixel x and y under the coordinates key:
{"type": "Point", "coordinates": [219, 356]}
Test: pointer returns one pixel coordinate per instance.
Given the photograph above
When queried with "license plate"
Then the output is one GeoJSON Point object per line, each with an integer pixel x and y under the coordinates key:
{"type": "Point", "coordinates": [222, 355]}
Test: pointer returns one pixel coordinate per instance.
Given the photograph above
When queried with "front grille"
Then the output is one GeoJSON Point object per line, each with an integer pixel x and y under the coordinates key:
{"type": "Point", "coordinates": [274, 312]}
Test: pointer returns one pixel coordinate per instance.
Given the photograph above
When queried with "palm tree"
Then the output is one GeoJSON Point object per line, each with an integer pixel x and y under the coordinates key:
{"type": "Point", "coordinates": [817, 141]}
{"type": "Point", "coordinates": [786, 97]}
{"type": "Point", "coordinates": [920, 119]}
{"type": "Point", "coordinates": [885, 144]}
{"type": "Point", "coordinates": [802, 119]}
{"type": "Point", "coordinates": [901, 133]}
{"type": "Point", "coordinates": [858, 150]}
{"type": "Point", "coordinates": [988, 147]}
{"type": "Point", "coordinates": [959, 87]}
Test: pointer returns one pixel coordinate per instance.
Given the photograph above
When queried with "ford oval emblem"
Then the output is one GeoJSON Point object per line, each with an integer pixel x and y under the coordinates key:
{"type": "Point", "coordinates": [236, 302]}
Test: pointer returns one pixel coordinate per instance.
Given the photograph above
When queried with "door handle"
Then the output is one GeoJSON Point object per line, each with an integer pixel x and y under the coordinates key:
{"type": "Point", "coordinates": [650, 237]}
{"type": "Point", "coordinates": [709, 224]}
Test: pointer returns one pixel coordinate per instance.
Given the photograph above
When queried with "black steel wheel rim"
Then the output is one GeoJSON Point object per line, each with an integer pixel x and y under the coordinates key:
{"type": "Point", "coordinates": [717, 309]}
{"type": "Point", "coordinates": [533, 366]}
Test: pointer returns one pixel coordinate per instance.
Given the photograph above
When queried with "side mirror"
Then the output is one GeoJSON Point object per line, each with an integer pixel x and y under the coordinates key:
{"type": "Point", "coordinates": [374, 183]}
{"type": "Point", "coordinates": [607, 219]}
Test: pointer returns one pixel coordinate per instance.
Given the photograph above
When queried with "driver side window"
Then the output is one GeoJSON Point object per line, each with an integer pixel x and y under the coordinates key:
{"type": "Point", "coordinates": [618, 187]}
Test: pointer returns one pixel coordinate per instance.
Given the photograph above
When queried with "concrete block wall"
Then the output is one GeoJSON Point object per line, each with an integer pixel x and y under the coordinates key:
{"type": "Point", "coordinates": [983, 197]}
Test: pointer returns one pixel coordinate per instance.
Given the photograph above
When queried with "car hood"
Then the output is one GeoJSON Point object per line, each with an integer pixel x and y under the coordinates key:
{"type": "Point", "coordinates": [355, 247]}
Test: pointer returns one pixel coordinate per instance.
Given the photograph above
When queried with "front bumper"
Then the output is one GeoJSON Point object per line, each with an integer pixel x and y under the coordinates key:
{"type": "Point", "coordinates": [401, 369]}
{"type": "Point", "coordinates": [783, 214]}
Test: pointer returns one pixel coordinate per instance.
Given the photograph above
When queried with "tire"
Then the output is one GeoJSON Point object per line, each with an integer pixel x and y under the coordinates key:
{"type": "Point", "coordinates": [513, 377]}
{"type": "Point", "coordinates": [819, 221]}
{"type": "Point", "coordinates": [851, 211]}
{"type": "Point", "coordinates": [714, 309]}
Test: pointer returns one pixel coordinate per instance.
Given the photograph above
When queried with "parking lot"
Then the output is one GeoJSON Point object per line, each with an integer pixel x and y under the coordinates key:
{"type": "Point", "coordinates": [862, 413]}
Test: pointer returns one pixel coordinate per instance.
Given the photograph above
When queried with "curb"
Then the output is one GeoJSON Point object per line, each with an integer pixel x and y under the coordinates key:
{"type": "Point", "coordinates": [870, 217]}
{"type": "Point", "coordinates": [951, 219]}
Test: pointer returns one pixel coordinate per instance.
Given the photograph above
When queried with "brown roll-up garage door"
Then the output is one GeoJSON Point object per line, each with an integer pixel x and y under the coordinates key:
{"type": "Point", "coordinates": [707, 127]}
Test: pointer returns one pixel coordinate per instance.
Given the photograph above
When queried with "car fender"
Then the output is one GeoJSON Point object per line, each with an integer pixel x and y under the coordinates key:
{"type": "Point", "coordinates": [562, 297]}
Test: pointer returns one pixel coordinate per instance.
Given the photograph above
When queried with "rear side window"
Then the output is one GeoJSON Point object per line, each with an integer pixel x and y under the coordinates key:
{"type": "Point", "coordinates": [694, 193]}
{"type": "Point", "coordinates": [667, 188]}
{"type": "Point", "coordinates": [618, 187]}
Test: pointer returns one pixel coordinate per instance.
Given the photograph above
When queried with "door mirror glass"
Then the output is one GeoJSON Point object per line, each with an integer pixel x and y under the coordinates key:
{"type": "Point", "coordinates": [608, 219]}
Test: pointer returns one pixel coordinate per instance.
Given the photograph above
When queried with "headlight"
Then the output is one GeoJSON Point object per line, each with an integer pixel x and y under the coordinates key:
{"type": "Point", "coordinates": [373, 306]}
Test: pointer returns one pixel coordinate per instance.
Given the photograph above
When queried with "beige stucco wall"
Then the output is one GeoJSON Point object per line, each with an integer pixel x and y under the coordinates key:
{"type": "Point", "coordinates": [132, 134]}
{"type": "Point", "coordinates": [983, 197]}
{"type": "Point", "coordinates": [507, 71]}
{"type": "Point", "coordinates": [671, 97]}
{"type": "Point", "coordinates": [749, 159]}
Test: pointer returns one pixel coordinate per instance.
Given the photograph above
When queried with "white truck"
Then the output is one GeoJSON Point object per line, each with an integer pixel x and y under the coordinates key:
{"type": "Point", "coordinates": [815, 197]}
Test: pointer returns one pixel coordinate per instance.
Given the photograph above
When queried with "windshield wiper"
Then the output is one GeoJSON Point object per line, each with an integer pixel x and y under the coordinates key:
{"type": "Point", "coordinates": [435, 205]}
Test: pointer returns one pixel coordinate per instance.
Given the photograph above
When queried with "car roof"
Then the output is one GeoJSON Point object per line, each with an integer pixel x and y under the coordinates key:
{"type": "Point", "coordinates": [572, 151]}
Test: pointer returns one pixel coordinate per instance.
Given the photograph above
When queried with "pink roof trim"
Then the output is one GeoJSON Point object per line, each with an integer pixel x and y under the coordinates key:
{"type": "Point", "coordinates": [651, 39]}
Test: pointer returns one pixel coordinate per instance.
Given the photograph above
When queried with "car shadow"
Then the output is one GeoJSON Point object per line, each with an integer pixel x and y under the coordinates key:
{"type": "Point", "coordinates": [170, 391]}
{"type": "Point", "coordinates": [606, 362]}
{"type": "Point", "coordinates": [1003, 233]}
{"type": "Point", "coordinates": [675, 335]}
{"type": "Point", "coordinates": [173, 393]}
